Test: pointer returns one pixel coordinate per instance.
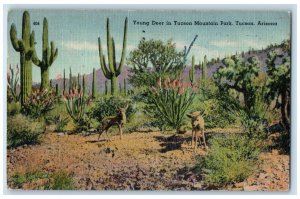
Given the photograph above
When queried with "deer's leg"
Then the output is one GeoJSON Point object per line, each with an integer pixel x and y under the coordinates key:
{"type": "Point", "coordinates": [100, 134]}
{"type": "Point", "coordinates": [203, 136]}
{"type": "Point", "coordinates": [121, 132]}
{"type": "Point", "coordinates": [193, 137]}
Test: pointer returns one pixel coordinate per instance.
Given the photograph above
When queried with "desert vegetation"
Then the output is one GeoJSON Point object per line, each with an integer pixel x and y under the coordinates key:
{"type": "Point", "coordinates": [53, 127]}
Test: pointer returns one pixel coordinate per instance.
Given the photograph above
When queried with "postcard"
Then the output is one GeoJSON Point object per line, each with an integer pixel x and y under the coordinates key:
{"type": "Point", "coordinates": [135, 100]}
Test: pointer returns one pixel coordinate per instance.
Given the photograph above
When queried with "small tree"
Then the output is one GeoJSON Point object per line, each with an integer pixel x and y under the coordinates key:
{"type": "Point", "coordinates": [279, 84]}
{"type": "Point", "coordinates": [153, 59]}
{"type": "Point", "coordinates": [239, 75]}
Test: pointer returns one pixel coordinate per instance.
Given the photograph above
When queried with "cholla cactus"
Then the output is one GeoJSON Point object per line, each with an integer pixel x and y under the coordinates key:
{"type": "Point", "coordinates": [171, 100]}
{"type": "Point", "coordinates": [12, 82]}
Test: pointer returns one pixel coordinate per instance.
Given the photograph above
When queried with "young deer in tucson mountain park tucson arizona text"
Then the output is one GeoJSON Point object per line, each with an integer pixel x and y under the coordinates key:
{"type": "Point", "coordinates": [197, 128]}
{"type": "Point", "coordinates": [119, 120]}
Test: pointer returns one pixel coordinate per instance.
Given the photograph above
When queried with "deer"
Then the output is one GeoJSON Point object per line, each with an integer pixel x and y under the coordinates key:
{"type": "Point", "coordinates": [109, 121]}
{"type": "Point", "coordinates": [197, 129]}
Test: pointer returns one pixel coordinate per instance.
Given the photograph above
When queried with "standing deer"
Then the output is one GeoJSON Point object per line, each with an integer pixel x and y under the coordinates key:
{"type": "Point", "coordinates": [197, 128]}
{"type": "Point", "coordinates": [119, 120]}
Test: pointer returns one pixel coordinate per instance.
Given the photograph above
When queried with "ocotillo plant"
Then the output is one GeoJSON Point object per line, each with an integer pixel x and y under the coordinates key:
{"type": "Point", "coordinates": [170, 101]}
{"type": "Point", "coordinates": [94, 84]}
{"type": "Point", "coordinates": [49, 55]}
{"type": "Point", "coordinates": [25, 46]}
{"type": "Point", "coordinates": [106, 89]}
{"type": "Point", "coordinates": [114, 70]}
{"type": "Point", "coordinates": [76, 107]}
{"type": "Point", "coordinates": [192, 71]}
{"type": "Point", "coordinates": [12, 82]}
{"type": "Point", "coordinates": [187, 51]}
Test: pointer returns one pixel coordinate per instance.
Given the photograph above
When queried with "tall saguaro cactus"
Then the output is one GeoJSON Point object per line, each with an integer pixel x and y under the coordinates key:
{"type": "Point", "coordinates": [114, 70]}
{"type": "Point", "coordinates": [49, 55]}
{"type": "Point", "coordinates": [192, 71]}
{"type": "Point", "coordinates": [64, 81]}
{"type": "Point", "coordinates": [25, 46]}
{"type": "Point", "coordinates": [94, 84]}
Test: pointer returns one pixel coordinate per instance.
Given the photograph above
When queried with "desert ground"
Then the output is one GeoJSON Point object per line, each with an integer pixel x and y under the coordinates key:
{"type": "Point", "coordinates": [140, 161]}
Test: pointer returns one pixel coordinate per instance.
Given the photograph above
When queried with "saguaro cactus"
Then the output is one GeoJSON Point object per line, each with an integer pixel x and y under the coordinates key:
{"type": "Point", "coordinates": [64, 82]}
{"type": "Point", "coordinates": [25, 46]}
{"type": "Point", "coordinates": [192, 71]}
{"type": "Point", "coordinates": [83, 85]}
{"type": "Point", "coordinates": [94, 84]}
{"type": "Point", "coordinates": [78, 80]}
{"type": "Point", "coordinates": [106, 89]}
{"type": "Point", "coordinates": [125, 87]}
{"type": "Point", "coordinates": [204, 68]}
{"type": "Point", "coordinates": [49, 56]}
{"type": "Point", "coordinates": [114, 70]}
{"type": "Point", "coordinates": [70, 81]}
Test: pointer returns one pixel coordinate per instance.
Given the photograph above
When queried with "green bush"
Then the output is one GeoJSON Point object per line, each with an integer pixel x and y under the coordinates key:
{"type": "Point", "coordinates": [231, 159]}
{"type": "Point", "coordinates": [22, 130]}
{"type": "Point", "coordinates": [108, 106]}
{"type": "Point", "coordinates": [62, 181]}
{"type": "Point", "coordinates": [39, 103]}
{"type": "Point", "coordinates": [59, 121]}
{"type": "Point", "coordinates": [13, 108]}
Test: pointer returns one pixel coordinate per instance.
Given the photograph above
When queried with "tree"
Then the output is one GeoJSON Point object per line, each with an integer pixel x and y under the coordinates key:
{"type": "Point", "coordinates": [279, 82]}
{"type": "Point", "coordinates": [239, 75]}
{"type": "Point", "coordinates": [153, 59]}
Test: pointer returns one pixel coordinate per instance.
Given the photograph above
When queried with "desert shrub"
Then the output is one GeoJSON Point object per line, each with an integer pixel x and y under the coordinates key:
{"type": "Point", "coordinates": [13, 108]}
{"type": "Point", "coordinates": [39, 103]}
{"type": "Point", "coordinates": [218, 109]}
{"type": "Point", "coordinates": [231, 159]}
{"type": "Point", "coordinates": [13, 94]}
{"type": "Point", "coordinates": [59, 121]}
{"type": "Point", "coordinates": [22, 130]}
{"type": "Point", "coordinates": [108, 106]}
{"type": "Point", "coordinates": [19, 179]}
{"type": "Point", "coordinates": [62, 181]}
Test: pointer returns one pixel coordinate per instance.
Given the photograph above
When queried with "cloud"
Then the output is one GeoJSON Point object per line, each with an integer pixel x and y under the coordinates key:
{"type": "Point", "coordinates": [224, 43]}
{"type": "Point", "coordinates": [88, 46]}
{"type": "Point", "coordinates": [71, 45]}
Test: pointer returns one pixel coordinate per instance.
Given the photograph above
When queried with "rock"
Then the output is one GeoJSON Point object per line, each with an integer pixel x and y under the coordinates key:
{"type": "Point", "coordinates": [60, 134]}
{"type": "Point", "coordinates": [251, 188]}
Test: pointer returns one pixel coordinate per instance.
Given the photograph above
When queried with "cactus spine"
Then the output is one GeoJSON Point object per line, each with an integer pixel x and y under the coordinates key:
{"type": "Point", "coordinates": [94, 84]}
{"type": "Point", "coordinates": [113, 71]}
{"type": "Point", "coordinates": [192, 71]}
{"type": "Point", "coordinates": [25, 46]}
{"type": "Point", "coordinates": [49, 56]}
{"type": "Point", "coordinates": [106, 90]}
{"type": "Point", "coordinates": [204, 68]}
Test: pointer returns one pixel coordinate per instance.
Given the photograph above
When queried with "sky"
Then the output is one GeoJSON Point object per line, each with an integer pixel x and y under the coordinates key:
{"type": "Point", "coordinates": [75, 33]}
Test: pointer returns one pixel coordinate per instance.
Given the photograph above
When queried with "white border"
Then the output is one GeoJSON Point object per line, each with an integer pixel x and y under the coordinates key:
{"type": "Point", "coordinates": [30, 4]}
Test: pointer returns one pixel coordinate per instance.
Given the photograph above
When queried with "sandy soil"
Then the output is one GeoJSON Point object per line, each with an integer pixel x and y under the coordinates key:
{"type": "Point", "coordinates": [140, 161]}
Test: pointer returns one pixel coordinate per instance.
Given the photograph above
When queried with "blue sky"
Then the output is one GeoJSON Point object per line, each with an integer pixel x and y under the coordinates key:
{"type": "Point", "coordinates": [75, 33]}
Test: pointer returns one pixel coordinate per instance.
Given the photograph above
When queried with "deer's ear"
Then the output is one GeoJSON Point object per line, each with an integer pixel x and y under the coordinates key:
{"type": "Point", "coordinates": [189, 115]}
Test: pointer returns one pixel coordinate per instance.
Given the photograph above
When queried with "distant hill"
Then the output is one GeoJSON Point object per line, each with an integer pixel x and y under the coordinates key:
{"type": "Point", "coordinates": [212, 66]}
